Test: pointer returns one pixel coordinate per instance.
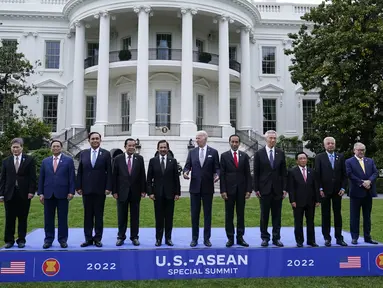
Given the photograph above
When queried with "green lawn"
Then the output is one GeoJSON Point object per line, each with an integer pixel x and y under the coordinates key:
{"type": "Point", "coordinates": [182, 219]}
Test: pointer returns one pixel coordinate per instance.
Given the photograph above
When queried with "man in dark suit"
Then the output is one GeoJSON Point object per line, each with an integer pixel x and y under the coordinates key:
{"type": "Point", "coordinates": [203, 162]}
{"type": "Point", "coordinates": [163, 188]}
{"type": "Point", "coordinates": [331, 170]}
{"type": "Point", "coordinates": [56, 189]}
{"type": "Point", "coordinates": [270, 181]}
{"type": "Point", "coordinates": [235, 186]}
{"type": "Point", "coordinates": [17, 188]}
{"type": "Point", "coordinates": [129, 185]}
{"type": "Point", "coordinates": [362, 173]}
{"type": "Point", "coordinates": [304, 197]}
{"type": "Point", "coordinates": [94, 181]}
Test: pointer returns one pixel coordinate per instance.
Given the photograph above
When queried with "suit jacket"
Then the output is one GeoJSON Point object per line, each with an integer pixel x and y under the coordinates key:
{"type": "Point", "coordinates": [163, 184]}
{"type": "Point", "coordinates": [356, 175]}
{"type": "Point", "coordinates": [302, 192]}
{"type": "Point", "coordinates": [202, 178]}
{"type": "Point", "coordinates": [59, 183]}
{"type": "Point", "coordinates": [267, 178]}
{"type": "Point", "coordinates": [125, 184]}
{"type": "Point", "coordinates": [233, 179]}
{"type": "Point", "coordinates": [331, 180]}
{"type": "Point", "coordinates": [25, 177]}
{"type": "Point", "coordinates": [97, 179]}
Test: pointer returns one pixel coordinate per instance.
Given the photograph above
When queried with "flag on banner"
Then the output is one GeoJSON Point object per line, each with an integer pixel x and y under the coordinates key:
{"type": "Point", "coordinates": [351, 262]}
{"type": "Point", "coordinates": [12, 267]}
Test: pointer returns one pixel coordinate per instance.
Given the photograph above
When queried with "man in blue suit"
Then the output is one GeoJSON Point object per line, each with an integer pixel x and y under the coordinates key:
{"type": "Point", "coordinates": [203, 162]}
{"type": "Point", "coordinates": [56, 188]}
{"type": "Point", "coordinates": [94, 181]}
{"type": "Point", "coordinates": [362, 173]}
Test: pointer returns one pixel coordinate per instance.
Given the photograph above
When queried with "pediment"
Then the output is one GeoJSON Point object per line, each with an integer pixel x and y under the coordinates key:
{"type": "Point", "coordinates": [164, 77]}
{"type": "Point", "coordinates": [300, 90]}
{"type": "Point", "coordinates": [123, 80]}
{"type": "Point", "coordinates": [202, 82]}
{"type": "Point", "coordinates": [270, 88]}
{"type": "Point", "coordinates": [49, 83]}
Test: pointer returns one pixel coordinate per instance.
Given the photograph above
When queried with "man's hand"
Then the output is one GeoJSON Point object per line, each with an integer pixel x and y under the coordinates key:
{"type": "Point", "coordinates": [70, 197]}
{"type": "Point", "coordinates": [79, 192]}
{"type": "Point", "coordinates": [107, 192]}
{"type": "Point", "coordinates": [224, 195]}
{"type": "Point", "coordinates": [143, 194]}
{"type": "Point", "coordinates": [30, 195]}
{"type": "Point", "coordinates": [317, 204]}
{"type": "Point", "coordinates": [186, 175]}
{"type": "Point", "coordinates": [294, 205]}
{"type": "Point", "coordinates": [284, 195]}
{"type": "Point", "coordinates": [341, 193]}
{"type": "Point", "coordinates": [42, 199]}
{"type": "Point", "coordinates": [115, 196]}
{"type": "Point", "coordinates": [248, 194]}
{"type": "Point", "coordinates": [258, 194]}
{"type": "Point", "coordinates": [366, 184]}
{"type": "Point", "coordinates": [322, 194]}
{"type": "Point", "coordinates": [216, 178]}
{"type": "Point", "coordinates": [152, 197]}
{"type": "Point", "coordinates": [177, 197]}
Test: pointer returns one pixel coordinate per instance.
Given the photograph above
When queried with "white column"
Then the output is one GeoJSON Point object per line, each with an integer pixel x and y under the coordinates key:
{"type": "Point", "coordinates": [103, 73]}
{"type": "Point", "coordinates": [224, 77]}
{"type": "Point", "coordinates": [141, 124]}
{"type": "Point", "coordinates": [188, 127]}
{"type": "Point", "coordinates": [245, 80]}
{"type": "Point", "coordinates": [78, 99]}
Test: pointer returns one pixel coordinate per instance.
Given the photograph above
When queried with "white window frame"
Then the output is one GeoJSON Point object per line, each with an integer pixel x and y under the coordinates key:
{"type": "Point", "coordinates": [61, 62]}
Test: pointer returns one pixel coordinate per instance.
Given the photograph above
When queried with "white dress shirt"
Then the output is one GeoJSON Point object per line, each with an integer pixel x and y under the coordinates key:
{"type": "Point", "coordinates": [165, 159]}
{"type": "Point", "coordinates": [268, 152]}
{"type": "Point", "coordinates": [232, 154]}
{"type": "Point", "coordinates": [20, 157]}
{"type": "Point", "coordinates": [127, 159]}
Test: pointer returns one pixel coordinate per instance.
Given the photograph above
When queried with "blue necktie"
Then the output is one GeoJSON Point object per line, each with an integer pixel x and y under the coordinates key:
{"type": "Point", "coordinates": [94, 158]}
{"type": "Point", "coordinates": [332, 160]}
{"type": "Point", "coordinates": [271, 159]}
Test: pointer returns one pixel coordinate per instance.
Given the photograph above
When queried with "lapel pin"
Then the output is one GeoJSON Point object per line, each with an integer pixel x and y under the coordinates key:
{"type": "Point", "coordinates": [100, 153]}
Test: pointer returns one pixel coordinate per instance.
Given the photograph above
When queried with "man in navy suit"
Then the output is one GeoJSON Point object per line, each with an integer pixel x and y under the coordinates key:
{"type": "Point", "coordinates": [56, 188]}
{"type": "Point", "coordinates": [94, 181]}
{"type": "Point", "coordinates": [203, 162]}
{"type": "Point", "coordinates": [362, 174]}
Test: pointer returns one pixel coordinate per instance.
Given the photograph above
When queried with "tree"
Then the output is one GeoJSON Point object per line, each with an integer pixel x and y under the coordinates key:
{"type": "Point", "coordinates": [378, 141]}
{"type": "Point", "coordinates": [341, 55]}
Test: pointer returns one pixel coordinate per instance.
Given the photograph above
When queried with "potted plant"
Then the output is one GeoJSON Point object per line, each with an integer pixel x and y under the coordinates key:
{"type": "Point", "coordinates": [204, 57]}
{"type": "Point", "coordinates": [125, 55]}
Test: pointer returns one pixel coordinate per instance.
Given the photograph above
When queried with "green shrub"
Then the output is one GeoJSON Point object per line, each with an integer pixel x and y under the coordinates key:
{"type": "Point", "coordinates": [39, 156]}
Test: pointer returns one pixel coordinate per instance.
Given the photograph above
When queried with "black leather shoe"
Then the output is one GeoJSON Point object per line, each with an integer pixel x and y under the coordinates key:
{"type": "Point", "coordinates": [21, 245]}
{"type": "Point", "coordinates": [158, 243]}
{"type": "Point", "coordinates": [169, 242]}
{"type": "Point", "coordinates": [299, 245]}
{"type": "Point", "coordinates": [120, 242]}
{"type": "Point", "coordinates": [229, 243]}
{"type": "Point", "coordinates": [242, 242]}
{"type": "Point", "coordinates": [63, 245]}
{"type": "Point", "coordinates": [327, 243]}
{"type": "Point", "coordinates": [278, 243]}
{"type": "Point", "coordinates": [98, 244]}
{"type": "Point", "coordinates": [8, 245]}
{"type": "Point", "coordinates": [341, 243]}
{"type": "Point", "coordinates": [207, 243]}
{"type": "Point", "coordinates": [354, 241]}
{"type": "Point", "coordinates": [136, 242]}
{"type": "Point", "coordinates": [193, 243]}
{"type": "Point", "coordinates": [265, 243]}
{"type": "Point", "coordinates": [313, 244]}
{"type": "Point", "coordinates": [371, 241]}
{"type": "Point", "coordinates": [86, 244]}
{"type": "Point", "coordinates": [47, 245]}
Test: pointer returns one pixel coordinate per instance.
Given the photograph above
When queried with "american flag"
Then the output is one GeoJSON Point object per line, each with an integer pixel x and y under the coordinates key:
{"type": "Point", "coordinates": [13, 267]}
{"type": "Point", "coordinates": [351, 262]}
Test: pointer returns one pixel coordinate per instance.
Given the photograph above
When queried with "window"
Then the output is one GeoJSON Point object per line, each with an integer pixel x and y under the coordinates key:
{"type": "Point", "coordinates": [308, 109]}
{"type": "Point", "coordinates": [52, 54]}
{"type": "Point", "coordinates": [93, 53]}
{"type": "Point", "coordinates": [199, 45]}
{"type": "Point", "coordinates": [163, 106]}
{"type": "Point", "coordinates": [268, 60]}
{"type": "Point", "coordinates": [90, 111]}
{"type": "Point", "coordinates": [126, 43]}
{"type": "Point", "coordinates": [9, 42]}
{"type": "Point", "coordinates": [233, 53]}
{"type": "Point", "coordinates": [199, 120]}
{"type": "Point", "coordinates": [164, 47]}
{"type": "Point", "coordinates": [233, 113]}
{"type": "Point", "coordinates": [50, 111]}
{"type": "Point", "coordinates": [269, 115]}
{"type": "Point", "coordinates": [125, 111]}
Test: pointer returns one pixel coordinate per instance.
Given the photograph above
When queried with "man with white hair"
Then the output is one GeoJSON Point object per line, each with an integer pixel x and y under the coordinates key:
{"type": "Point", "coordinates": [362, 173]}
{"type": "Point", "coordinates": [331, 170]}
{"type": "Point", "coordinates": [270, 181]}
{"type": "Point", "coordinates": [203, 162]}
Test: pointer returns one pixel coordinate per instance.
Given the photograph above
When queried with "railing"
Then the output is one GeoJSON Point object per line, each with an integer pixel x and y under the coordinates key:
{"type": "Point", "coordinates": [165, 54]}
{"type": "Point", "coordinates": [164, 130]}
{"type": "Point", "coordinates": [234, 65]}
{"type": "Point", "coordinates": [205, 57]}
{"type": "Point", "coordinates": [118, 130]}
{"type": "Point", "coordinates": [114, 56]}
{"type": "Point", "coordinates": [212, 131]}
{"type": "Point", "coordinates": [75, 140]}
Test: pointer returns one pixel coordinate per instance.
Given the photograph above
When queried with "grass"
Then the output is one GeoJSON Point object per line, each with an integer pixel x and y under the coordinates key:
{"type": "Point", "coordinates": [182, 219]}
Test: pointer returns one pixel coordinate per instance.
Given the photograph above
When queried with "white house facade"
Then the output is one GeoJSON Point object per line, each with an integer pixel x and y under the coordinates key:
{"type": "Point", "coordinates": [160, 69]}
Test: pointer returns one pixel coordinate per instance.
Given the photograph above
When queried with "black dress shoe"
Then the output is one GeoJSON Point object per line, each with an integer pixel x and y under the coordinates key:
{"type": "Point", "coordinates": [21, 245]}
{"type": "Point", "coordinates": [158, 243]}
{"type": "Point", "coordinates": [242, 242]}
{"type": "Point", "coordinates": [265, 243]}
{"type": "Point", "coordinates": [120, 242]}
{"type": "Point", "coordinates": [278, 243]}
{"type": "Point", "coordinates": [47, 245]}
{"type": "Point", "coordinates": [354, 241]}
{"type": "Point", "coordinates": [299, 245]}
{"type": "Point", "coordinates": [63, 245]}
{"type": "Point", "coordinates": [98, 244]}
{"type": "Point", "coordinates": [313, 244]}
{"type": "Point", "coordinates": [86, 243]}
{"type": "Point", "coordinates": [371, 241]}
{"type": "Point", "coordinates": [193, 243]}
{"type": "Point", "coordinates": [327, 243]}
{"type": "Point", "coordinates": [207, 243]}
{"type": "Point", "coordinates": [169, 242]}
{"type": "Point", "coordinates": [8, 245]}
{"type": "Point", "coordinates": [341, 243]}
{"type": "Point", "coordinates": [136, 242]}
{"type": "Point", "coordinates": [229, 243]}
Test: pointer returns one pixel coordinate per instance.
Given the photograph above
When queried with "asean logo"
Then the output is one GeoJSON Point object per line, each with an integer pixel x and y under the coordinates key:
{"type": "Point", "coordinates": [51, 267]}
{"type": "Point", "coordinates": [379, 261]}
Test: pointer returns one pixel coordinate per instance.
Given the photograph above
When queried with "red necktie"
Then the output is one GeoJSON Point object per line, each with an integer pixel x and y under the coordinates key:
{"type": "Point", "coordinates": [235, 160]}
{"type": "Point", "coordinates": [129, 165]}
{"type": "Point", "coordinates": [304, 174]}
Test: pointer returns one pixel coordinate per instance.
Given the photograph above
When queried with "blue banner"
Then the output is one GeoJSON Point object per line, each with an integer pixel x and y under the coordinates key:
{"type": "Point", "coordinates": [189, 264]}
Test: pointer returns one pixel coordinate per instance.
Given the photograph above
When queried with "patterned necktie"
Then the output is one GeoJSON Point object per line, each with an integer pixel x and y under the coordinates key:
{"type": "Point", "coordinates": [17, 164]}
{"type": "Point", "coordinates": [201, 157]}
{"type": "Point", "coordinates": [271, 159]}
{"type": "Point", "coordinates": [94, 158]}
{"type": "Point", "coordinates": [55, 164]}
{"type": "Point", "coordinates": [235, 160]}
{"type": "Point", "coordinates": [362, 165]}
{"type": "Point", "coordinates": [129, 164]}
{"type": "Point", "coordinates": [163, 164]}
{"type": "Point", "coordinates": [304, 174]}
{"type": "Point", "coordinates": [332, 158]}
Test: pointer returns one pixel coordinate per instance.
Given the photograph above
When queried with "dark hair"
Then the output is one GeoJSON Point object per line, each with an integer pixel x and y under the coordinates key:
{"type": "Point", "coordinates": [300, 153]}
{"type": "Point", "coordinates": [235, 135]}
{"type": "Point", "coordinates": [162, 141]}
{"type": "Point", "coordinates": [129, 139]}
{"type": "Point", "coordinates": [92, 133]}
{"type": "Point", "coordinates": [58, 141]}
{"type": "Point", "coordinates": [17, 141]}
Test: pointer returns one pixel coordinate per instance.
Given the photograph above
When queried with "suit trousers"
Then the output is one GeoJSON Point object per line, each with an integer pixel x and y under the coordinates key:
{"type": "Point", "coordinates": [50, 206]}
{"type": "Point", "coordinates": [164, 211]}
{"type": "Point", "coordinates": [267, 203]}
{"type": "Point", "coordinates": [355, 205]}
{"type": "Point", "coordinates": [122, 213]}
{"type": "Point", "coordinates": [326, 215]}
{"type": "Point", "coordinates": [309, 212]}
{"type": "Point", "coordinates": [237, 201]}
{"type": "Point", "coordinates": [16, 208]}
{"type": "Point", "coordinates": [93, 216]}
{"type": "Point", "coordinates": [195, 203]}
